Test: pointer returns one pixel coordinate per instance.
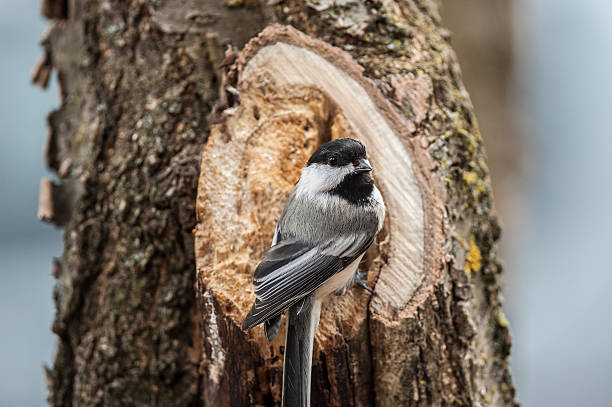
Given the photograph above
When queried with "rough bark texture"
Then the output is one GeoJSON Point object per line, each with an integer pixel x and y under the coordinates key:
{"type": "Point", "coordinates": [482, 38]}
{"type": "Point", "coordinates": [138, 82]}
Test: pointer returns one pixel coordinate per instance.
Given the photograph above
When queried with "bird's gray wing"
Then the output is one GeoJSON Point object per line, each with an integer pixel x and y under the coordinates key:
{"type": "Point", "coordinates": [292, 270]}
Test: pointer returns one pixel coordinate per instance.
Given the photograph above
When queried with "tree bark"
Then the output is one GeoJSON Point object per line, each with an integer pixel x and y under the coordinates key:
{"type": "Point", "coordinates": [141, 82]}
{"type": "Point", "coordinates": [482, 39]}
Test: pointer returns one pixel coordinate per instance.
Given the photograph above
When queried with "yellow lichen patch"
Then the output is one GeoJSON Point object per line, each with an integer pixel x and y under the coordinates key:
{"type": "Point", "coordinates": [502, 320]}
{"type": "Point", "coordinates": [481, 187]}
{"type": "Point", "coordinates": [473, 261]}
{"type": "Point", "coordinates": [470, 177]}
{"type": "Point", "coordinates": [474, 182]}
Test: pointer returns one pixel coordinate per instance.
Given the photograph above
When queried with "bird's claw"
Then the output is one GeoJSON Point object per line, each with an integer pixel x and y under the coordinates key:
{"type": "Point", "coordinates": [361, 280]}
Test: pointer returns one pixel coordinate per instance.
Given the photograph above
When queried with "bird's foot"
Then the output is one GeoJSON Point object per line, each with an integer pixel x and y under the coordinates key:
{"type": "Point", "coordinates": [360, 278]}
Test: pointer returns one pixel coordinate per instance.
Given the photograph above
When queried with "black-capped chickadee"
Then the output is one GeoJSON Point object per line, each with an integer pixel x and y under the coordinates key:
{"type": "Point", "coordinates": [329, 221]}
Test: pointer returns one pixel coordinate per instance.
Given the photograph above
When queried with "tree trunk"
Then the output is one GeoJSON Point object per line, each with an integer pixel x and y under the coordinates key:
{"type": "Point", "coordinates": [482, 39]}
{"type": "Point", "coordinates": [142, 81]}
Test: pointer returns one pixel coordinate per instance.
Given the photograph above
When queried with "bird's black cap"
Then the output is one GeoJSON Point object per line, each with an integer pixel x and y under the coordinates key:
{"type": "Point", "coordinates": [338, 153]}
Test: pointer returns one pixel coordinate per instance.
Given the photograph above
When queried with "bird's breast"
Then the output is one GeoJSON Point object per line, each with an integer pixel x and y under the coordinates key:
{"type": "Point", "coordinates": [339, 280]}
{"type": "Point", "coordinates": [319, 218]}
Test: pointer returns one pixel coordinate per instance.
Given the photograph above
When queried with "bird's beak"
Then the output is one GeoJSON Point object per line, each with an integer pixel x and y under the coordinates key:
{"type": "Point", "coordinates": [363, 166]}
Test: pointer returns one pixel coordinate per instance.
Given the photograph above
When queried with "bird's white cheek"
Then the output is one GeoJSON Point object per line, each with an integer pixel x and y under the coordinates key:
{"type": "Point", "coordinates": [309, 182]}
{"type": "Point", "coordinates": [318, 178]}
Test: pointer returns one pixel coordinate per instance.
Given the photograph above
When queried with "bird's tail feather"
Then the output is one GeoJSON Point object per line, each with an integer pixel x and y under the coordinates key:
{"type": "Point", "coordinates": [302, 323]}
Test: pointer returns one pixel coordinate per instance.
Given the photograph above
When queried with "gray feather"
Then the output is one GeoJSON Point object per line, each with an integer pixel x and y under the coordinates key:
{"type": "Point", "coordinates": [314, 219]}
{"type": "Point", "coordinates": [293, 270]}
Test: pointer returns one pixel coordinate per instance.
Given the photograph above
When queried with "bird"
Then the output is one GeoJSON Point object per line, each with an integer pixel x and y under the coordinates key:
{"type": "Point", "coordinates": [330, 219]}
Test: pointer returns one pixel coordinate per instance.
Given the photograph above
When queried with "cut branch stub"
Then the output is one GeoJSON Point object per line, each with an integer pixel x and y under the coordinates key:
{"type": "Point", "coordinates": [297, 93]}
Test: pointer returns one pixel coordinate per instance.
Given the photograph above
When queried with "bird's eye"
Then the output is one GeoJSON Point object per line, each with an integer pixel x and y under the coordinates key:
{"type": "Point", "coordinates": [332, 160]}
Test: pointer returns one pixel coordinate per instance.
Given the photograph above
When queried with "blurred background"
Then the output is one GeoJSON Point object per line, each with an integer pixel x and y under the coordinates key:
{"type": "Point", "coordinates": [540, 76]}
{"type": "Point", "coordinates": [27, 246]}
